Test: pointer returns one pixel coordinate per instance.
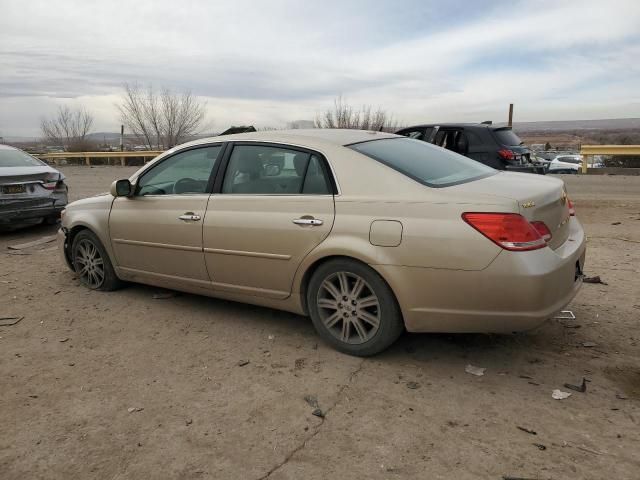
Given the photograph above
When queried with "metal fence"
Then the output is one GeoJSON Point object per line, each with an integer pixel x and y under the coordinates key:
{"type": "Point", "coordinates": [87, 156]}
{"type": "Point", "coordinates": [589, 150]}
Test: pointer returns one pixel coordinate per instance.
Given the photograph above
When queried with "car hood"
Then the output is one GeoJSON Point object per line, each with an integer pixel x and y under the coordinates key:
{"type": "Point", "coordinates": [27, 174]}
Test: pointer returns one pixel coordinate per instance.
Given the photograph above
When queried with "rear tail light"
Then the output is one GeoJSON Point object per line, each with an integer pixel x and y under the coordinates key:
{"type": "Point", "coordinates": [507, 154]}
{"type": "Point", "coordinates": [510, 231]}
{"type": "Point", "coordinates": [543, 230]}
{"type": "Point", "coordinates": [572, 208]}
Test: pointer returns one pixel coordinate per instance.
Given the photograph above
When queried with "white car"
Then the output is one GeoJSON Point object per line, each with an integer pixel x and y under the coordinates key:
{"type": "Point", "coordinates": [566, 164]}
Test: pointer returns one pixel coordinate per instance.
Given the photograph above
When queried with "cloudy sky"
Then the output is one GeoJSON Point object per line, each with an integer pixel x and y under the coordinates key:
{"type": "Point", "coordinates": [270, 62]}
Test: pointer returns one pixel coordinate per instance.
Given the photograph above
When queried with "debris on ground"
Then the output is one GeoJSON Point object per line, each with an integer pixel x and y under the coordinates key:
{"type": "Point", "coordinates": [509, 477]}
{"type": "Point", "coordinates": [63, 340]}
{"type": "Point", "coordinates": [540, 446]}
{"type": "Point", "coordinates": [621, 396]}
{"type": "Point", "coordinates": [477, 371]}
{"type": "Point", "coordinates": [589, 344]}
{"type": "Point", "coordinates": [318, 413]}
{"type": "Point", "coordinates": [34, 243]}
{"type": "Point", "coordinates": [595, 279]}
{"type": "Point", "coordinates": [312, 400]}
{"type": "Point", "coordinates": [578, 388]}
{"type": "Point", "coordinates": [242, 363]}
{"type": "Point", "coordinates": [134, 409]}
{"type": "Point", "coordinates": [188, 421]}
{"type": "Point", "coordinates": [527, 430]}
{"type": "Point", "coordinates": [566, 315]}
{"type": "Point", "coordinates": [413, 385]}
{"type": "Point", "coordinates": [164, 295]}
{"type": "Point", "coordinates": [9, 321]}
{"type": "Point", "coordinates": [616, 223]}
{"type": "Point", "coordinates": [271, 337]}
{"type": "Point", "coordinates": [560, 395]}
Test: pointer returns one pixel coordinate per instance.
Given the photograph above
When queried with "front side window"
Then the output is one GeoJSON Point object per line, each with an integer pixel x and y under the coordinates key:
{"type": "Point", "coordinates": [421, 161]}
{"type": "Point", "coordinates": [260, 169]}
{"type": "Point", "coordinates": [186, 172]}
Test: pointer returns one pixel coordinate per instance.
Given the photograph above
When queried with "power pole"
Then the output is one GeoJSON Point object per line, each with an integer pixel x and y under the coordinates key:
{"type": "Point", "coordinates": [511, 114]}
{"type": "Point", "coordinates": [122, 162]}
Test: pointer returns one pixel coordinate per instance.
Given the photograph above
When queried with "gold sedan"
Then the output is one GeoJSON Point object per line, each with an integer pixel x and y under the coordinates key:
{"type": "Point", "coordinates": [368, 233]}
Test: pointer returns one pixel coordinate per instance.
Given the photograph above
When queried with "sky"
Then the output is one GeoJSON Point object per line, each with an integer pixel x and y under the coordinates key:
{"type": "Point", "coordinates": [267, 63]}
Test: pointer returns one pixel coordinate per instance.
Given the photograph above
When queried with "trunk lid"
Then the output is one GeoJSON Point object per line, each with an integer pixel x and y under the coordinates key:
{"type": "Point", "coordinates": [539, 198]}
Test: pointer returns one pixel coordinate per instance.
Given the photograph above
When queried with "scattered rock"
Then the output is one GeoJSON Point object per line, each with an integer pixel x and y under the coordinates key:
{"type": "Point", "coordinates": [527, 430]}
{"type": "Point", "coordinates": [242, 363]}
{"type": "Point", "coordinates": [621, 396]}
{"type": "Point", "coordinates": [595, 279]}
{"type": "Point", "coordinates": [312, 400]}
{"type": "Point", "coordinates": [271, 337]}
{"type": "Point", "coordinates": [318, 413]}
{"type": "Point", "coordinates": [134, 409]}
{"type": "Point", "coordinates": [560, 395]}
{"type": "Point", "coordinates": [62, 340]}
{"type": "Point", "coordinates": [413, 385]}
{"type": "Point", "coordinates": [540, 446]}
{"type": "Point", "coordinates": [188, 422]}
{"type": "Point", "coordinates": [477, 371]}
{"type": "Point", "coordinates": [578, 388]}
{"type": "Point", "coordinates": [616, 223]}
{"type": "Point", "coordinates": [164, 295]}
{"type": "Point", "coordinates": [589, 344]}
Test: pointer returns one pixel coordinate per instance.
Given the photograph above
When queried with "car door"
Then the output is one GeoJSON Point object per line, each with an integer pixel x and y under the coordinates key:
{"type": "Point", "coordinates": [157, 231]}
{"type": "Point", "coordinates": [273, 205]}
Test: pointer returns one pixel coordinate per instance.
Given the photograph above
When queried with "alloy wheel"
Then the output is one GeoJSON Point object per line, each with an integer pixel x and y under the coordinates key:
{"type": "Point", "coordinates": [348, 307]}
{"type": "Point", "coordinates": [89, 264]}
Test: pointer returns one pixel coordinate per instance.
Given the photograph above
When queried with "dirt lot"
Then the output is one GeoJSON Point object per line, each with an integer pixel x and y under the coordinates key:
{"type": "Point", "coordinates": [121, 385]}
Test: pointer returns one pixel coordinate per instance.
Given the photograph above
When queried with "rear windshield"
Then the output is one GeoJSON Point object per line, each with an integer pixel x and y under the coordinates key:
{"type": "Point", "coordinates": [507, 137]}
{"type": "Point", "coordinates": [17, 158]}
{"type": "Point", "coordinates": [430, 165]}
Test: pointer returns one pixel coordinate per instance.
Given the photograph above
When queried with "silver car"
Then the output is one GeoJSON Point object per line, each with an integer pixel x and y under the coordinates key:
{"type": "Point", "coordinates": [30, 190]}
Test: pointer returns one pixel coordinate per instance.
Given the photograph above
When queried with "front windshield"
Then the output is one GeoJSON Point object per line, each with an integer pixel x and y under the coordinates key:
{"type": "Point", "coordinates": [430, 165]}
{"type": "Point", "coordinates": [17, 158]}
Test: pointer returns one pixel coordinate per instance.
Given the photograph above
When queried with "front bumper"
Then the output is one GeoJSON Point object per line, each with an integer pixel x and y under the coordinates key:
{"type": "Point", "coordinates": [518, 291]}
{"type": "Point", "coordinates": [23, 210]}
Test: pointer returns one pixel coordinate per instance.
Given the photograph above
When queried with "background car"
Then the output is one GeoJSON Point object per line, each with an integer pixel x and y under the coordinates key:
{"type": "Point", "coordinates": [566, 164]}
{"type": "Point", "coordinates": [495, 146]}
{"type": "Point", "coordinates": [30, 190]}
{"type": "Point", "coordinates": [369, 233]}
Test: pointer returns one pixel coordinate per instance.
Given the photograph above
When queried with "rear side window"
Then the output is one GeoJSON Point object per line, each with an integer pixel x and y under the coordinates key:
{"type": "Point", "coordinates": [17, 158]}
{"type": "Point", "coordinates": [507, 137]}
{"type": "Point", "coordinates": [429, 165]}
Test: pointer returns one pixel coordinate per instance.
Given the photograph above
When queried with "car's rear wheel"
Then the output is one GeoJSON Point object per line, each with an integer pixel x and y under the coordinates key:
{"type": "Point", "coordinates": [352, 308]}
{"type": "Point", "coordinates": [92, 264]}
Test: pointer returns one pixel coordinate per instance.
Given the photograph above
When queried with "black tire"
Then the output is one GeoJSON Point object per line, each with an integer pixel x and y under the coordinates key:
{"type": "Point", "coordinates": [349, 316]}
{"type": "Point", "coordinates": [84, 243]}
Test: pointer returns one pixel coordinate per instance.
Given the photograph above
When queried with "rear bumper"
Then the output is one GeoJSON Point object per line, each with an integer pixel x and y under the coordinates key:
{"type": "Point", "coordinates": [19, 210]}
{"type": "Point", "coordinates": [518, 291]}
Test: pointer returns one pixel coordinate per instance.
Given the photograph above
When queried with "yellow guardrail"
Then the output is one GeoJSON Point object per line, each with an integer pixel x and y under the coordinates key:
{"type": "Point", "coordinates": [588, 150]}
{"type": "Point", "coordinates": [89, 155]}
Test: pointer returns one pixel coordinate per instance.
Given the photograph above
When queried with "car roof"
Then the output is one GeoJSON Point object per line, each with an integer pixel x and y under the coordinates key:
{"type": "Point", "coordinates": [313, 137]}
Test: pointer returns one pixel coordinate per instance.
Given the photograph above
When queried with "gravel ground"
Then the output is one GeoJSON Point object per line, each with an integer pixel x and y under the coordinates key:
{"type": "Point", "coordinates": [120, 385]}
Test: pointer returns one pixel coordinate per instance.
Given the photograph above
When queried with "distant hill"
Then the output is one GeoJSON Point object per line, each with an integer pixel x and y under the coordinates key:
{"type": "Point", "coordinates": [570, 125]}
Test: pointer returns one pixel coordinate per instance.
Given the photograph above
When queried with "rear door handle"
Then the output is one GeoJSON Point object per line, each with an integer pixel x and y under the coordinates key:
{"type": "Point", "coordinates": [308, 221]}
{"type": "Point", "coordinates": [189, 216]}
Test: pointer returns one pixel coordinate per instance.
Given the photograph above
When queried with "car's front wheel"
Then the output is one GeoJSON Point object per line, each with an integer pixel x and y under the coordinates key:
{"type": "Point", "coordinates": [92, 264]}
{"type": "Point", "coordinates": [352, 308]}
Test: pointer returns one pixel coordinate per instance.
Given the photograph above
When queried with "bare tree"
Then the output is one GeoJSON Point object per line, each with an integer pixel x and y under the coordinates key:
{"type": "Point", "coordinates": [163, 120]}
{"type": "Point", "coordinates": [68, 128]}
{"type": "Point", "coordinates": [343, 115]}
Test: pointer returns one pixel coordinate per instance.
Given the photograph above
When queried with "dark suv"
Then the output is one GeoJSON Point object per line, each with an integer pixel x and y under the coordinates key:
{"type": "Point", "coordinates": [498, 147]}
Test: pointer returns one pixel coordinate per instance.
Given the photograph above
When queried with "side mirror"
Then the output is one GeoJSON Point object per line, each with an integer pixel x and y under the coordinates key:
{"type": "Point", "coordinates": [121, 188]}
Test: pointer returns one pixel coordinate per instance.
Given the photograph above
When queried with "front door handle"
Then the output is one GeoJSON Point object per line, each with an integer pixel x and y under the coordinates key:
{"type": "Point", "coordinates": [308, 221]}
{"type": "Point", "coordinates": [189, 216]}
